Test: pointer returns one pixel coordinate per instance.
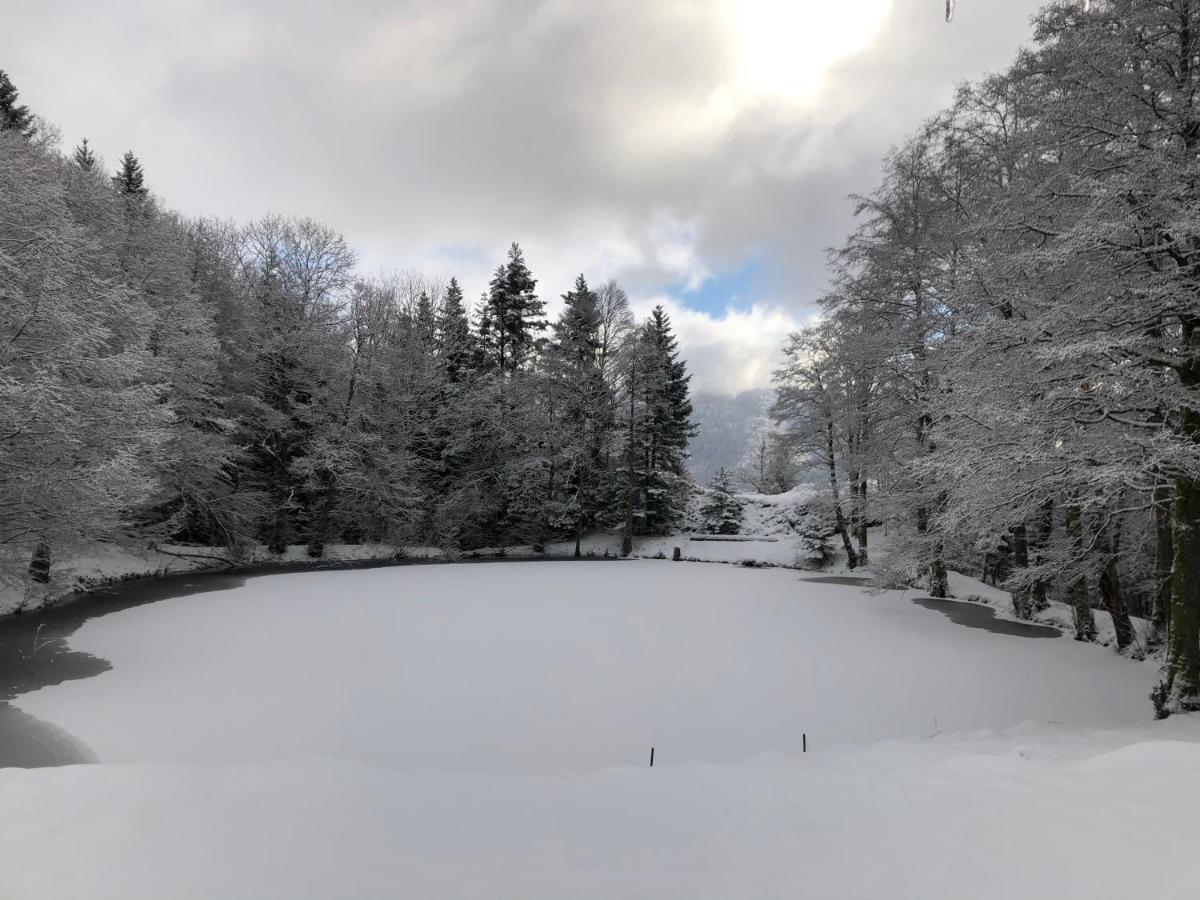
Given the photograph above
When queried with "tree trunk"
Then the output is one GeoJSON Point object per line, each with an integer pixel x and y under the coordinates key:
{"type": "Point", "coordinates": [839, 517]}
{"type": "Point", "coordinates": [1180, 689]}
{"type": "Point", "coordinates": [939, 579]}
{"type": "Point", "coordinates": [939, 582]}
{"type": "Point", "coordinates": [1085, 622]}
{"type": "Point", "coordinates": [39, 565]}
{"type": "Point", "coordinates": [1021, 600]}
{"type": "Point", "coordinates": [321, 515]}
{"type": "Point", "coordinates": [1164, 559]}
{"type": "Point", "coordinates": [1114, 600]}
{"type": "Point", "coordinates": [630, 488]}
{"type": "Point", "coordinates": [627, 531]}
{"type": "Point", "coordinates": [1110, 586]}
{"type": "Point", "coordinates": [863, 557]}
{"type": "Point", "coordinates": [1039, 596]}
{"type": "Point", "coordinates": [1182, 680]}
{"type": "Point", "coordinates": [277, 539]}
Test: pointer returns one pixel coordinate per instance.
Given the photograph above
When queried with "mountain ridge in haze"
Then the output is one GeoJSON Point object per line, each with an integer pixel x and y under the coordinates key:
{"type": "Point", "coordinates": [727, 427]}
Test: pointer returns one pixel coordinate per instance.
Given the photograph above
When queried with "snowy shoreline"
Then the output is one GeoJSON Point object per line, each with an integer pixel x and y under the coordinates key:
{"type": "Point", "coordinates": [81, 578]}
{"type": "Point", "coordinates": [35, 650]}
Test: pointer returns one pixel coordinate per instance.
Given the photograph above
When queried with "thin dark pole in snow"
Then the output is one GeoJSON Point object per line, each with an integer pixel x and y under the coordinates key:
{"type": "Point", "coordinates": [804, 743]}
{"type": "Point", "coordinates": [652, 757]}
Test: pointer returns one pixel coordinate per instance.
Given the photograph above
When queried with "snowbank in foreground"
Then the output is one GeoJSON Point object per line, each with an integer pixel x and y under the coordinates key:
{"type": "Point", "coordinates": [1099, 816]}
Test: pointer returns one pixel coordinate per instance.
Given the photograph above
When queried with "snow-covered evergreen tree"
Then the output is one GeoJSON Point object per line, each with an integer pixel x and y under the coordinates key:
{"type": "Point", "coordinates": [83, 156]}
{"type": "Point", "coordinates": [511, 318]}
{"type": "Point", "coordinates": [656, 412]}
{"type": "Point", "coordinates": [722, 512]}
{"type": "Point", "coordinates": [456, 344]}
{"type": "Point", "coordinates": [129, 179]}
{"type": "Point", "coordinates": [226, 385]}
{"type": "Point", "coordinates": [582, 410]}
{"type": "Point", "coordinates": [14, 116]}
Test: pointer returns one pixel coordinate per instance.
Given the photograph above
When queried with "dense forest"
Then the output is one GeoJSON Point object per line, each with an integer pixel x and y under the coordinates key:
{"type": "Point", "coordinates": [202, 382]}
{"type": "Point", "coordinates": [1008, 369]}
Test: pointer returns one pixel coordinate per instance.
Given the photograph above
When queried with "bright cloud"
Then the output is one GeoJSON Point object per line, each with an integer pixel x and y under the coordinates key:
{"type": "Point", "coordinates": [785, 48]}
{"type": "Point", "coordinates": [664, 143]}
{"type": "Point", "coordinates": [735, 351]}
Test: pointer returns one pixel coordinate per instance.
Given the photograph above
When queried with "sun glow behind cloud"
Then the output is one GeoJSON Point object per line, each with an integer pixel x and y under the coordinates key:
{"type": "Point", "coordinates": [776, 53]}
{"type": "Point", "coordinates": [784, 48]}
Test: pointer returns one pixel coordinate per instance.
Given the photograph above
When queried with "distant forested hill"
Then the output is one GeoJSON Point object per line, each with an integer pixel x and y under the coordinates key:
{"type": "Point", "coordinates": [728, 425]}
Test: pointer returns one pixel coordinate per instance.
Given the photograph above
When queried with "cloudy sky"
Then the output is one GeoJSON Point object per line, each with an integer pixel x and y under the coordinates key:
{"type": "Point", "coordinates": [698, 150]}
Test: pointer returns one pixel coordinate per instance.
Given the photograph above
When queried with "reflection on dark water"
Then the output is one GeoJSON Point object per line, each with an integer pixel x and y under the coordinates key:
{"type": "Point", "coordinates": [847, 580]}
{"type": "Point", "coordinates": [973, 615]}
{"type": "Point", "coordinates": [976, 615]}
{"type": "Point", "coordinates": [34, 654]}
{"type": "Point", "coordinates": [33, 646]}
{"type": "Point", "coordinates": [31, 743]}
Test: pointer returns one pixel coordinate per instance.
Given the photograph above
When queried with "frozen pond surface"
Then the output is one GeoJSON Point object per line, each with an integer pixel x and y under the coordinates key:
{"type": "Point", "coordinates": [481, 732]}
{"type": "Point", "coordinates": [554, 667]}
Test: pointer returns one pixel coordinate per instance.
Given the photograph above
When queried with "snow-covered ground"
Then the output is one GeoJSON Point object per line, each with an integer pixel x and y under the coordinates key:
{"type": "Point", "coordinates": [970, 589]}
{"type": "Point", "coordinates": [109, 563]}
{"type": "Point", "coordinates": [939, 820]}
{"type": "Point", "coordinates": [787, 530]}
{"type": "Point", "coordinates": [483, 731]}
{"type": "Point", "coordinates": [779, 530]}
{"type": "Point", "coordinates": [1057, 614]}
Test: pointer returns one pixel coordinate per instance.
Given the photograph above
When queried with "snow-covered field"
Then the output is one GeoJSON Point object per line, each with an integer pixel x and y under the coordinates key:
{"type": "Point", "coordinates": [483, 731]}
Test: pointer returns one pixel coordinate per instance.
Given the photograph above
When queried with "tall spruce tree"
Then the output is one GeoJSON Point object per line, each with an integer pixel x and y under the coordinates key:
{"type": "Point", "coordinates": [582, 420]}
{"type": "Point", "coordinates": [658, 426]}
{"type": "Point", "coordinates": [83, 156]}
{"type": "Point", "coordinates": [456, 344]}
{"type": "Point", "coordinates": [425, 320]}
{"type": "Point", "coordinates": [13, 115]}
{"type": "Point", "coordinates": [130, 180]}
{"type": "Point", "coordinates": [512, 316]}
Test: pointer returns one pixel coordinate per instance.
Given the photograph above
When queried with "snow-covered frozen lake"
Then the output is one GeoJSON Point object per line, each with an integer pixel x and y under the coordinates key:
{"type": "Point", "coordinates": [482, 731]}
{"type": "Point", "coordinates": [558, 666]}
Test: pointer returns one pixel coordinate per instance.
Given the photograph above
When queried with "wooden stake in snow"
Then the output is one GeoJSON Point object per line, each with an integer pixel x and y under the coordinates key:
{"type": "Point", "coordinates": [652, 757]}
{"type": "Point", "coordinates": [804, 743]}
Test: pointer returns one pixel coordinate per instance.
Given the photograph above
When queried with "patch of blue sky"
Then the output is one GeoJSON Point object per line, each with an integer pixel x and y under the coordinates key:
{"type": "Point", "coordinates": [733, 288]}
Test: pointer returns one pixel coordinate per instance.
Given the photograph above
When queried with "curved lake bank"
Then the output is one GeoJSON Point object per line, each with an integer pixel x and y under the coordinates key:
{"type": "Point", "coordinates": [35, 651]}
{"type": "Point", "coordinates": [549, 667]}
